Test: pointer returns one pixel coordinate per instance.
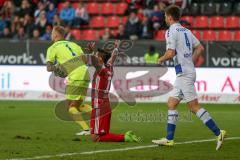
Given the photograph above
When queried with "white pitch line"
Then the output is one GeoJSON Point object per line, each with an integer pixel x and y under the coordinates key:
{"type": "Point", "coordinates": [114, 150]}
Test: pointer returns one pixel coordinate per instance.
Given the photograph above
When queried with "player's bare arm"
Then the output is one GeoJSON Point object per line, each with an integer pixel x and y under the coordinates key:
{"type": "Point", "coordinates": [197, 52]}
{"type": "Point", "coordinates": [114, 52]}
{"type": "Point", "coordinates": [50, 67]}
{"type": "Point", "coordinates": [90, 58]}
{"type": "Point", "coordinates": [56, 69]}
{"type": "Point", "coordinates": [169, 54]}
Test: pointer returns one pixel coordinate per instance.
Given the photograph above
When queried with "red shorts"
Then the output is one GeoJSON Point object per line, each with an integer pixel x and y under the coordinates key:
{"type": "Point", "coordinates": [101, 118]}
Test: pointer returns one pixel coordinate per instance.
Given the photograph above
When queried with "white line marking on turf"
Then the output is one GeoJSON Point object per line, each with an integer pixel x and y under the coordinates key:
{"type": "Point", "coordinates": [114, 150]}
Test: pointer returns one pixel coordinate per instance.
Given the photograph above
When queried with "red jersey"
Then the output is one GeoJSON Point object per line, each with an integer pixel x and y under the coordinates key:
{"type": "Point", "coordinates": [101, 84]}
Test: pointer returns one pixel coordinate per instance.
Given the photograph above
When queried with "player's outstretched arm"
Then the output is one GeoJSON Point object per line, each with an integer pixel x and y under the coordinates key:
{"type": "Point", "coordinates": [114, 52]}
{"type": "Point", "coordinates": [197, 52]}
{"type": "Point", "coordinates": [169, 54]}
{"type": "Point", "coordinates": [90, 59]}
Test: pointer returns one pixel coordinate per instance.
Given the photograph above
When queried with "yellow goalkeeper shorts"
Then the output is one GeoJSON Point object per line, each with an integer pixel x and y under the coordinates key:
{"type": "Point", "coordinates": [76, 89]}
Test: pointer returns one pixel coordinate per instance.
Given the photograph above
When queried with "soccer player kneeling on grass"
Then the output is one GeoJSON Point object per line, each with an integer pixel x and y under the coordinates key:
{"type": "Point", "coordinates": [101, 113]}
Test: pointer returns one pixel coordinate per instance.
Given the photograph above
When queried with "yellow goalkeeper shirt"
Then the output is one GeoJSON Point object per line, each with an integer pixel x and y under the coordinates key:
{"type": "Point", "coordinates": [64, 52]}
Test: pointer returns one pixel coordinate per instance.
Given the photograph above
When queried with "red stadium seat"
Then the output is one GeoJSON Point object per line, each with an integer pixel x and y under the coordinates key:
{"type": "Point", "coordinates": [160, 36]}
{"type": "Point", "coordinates": [201, 22]}
{"type": "Point", "coordinates": [97, 22]}
{"type": "Point", "coordinates": [232, 22]}
{"type": "Point", "coordinates": [101, 32]}
{"type": "Point", "coordinates": [113, 21]}
{"type": "Point", "coordinates": [115, 32]}
{"type": "Point", "coordinates": [60, 7]}
{"type": "Point", "coordinates": [124, 20]}
{"type": "Point", "coordinates": [89, 35]}
{"type": "Point", "coordinates": [188, 19]}
{"type": "Point", "coordinates": [197, 34]}
{"type": "Point", "coordinates": [107, 8]}
{"type": "Point", "coordinates": [93, 8]}
{"type": "Point", "coordinates": [121, 8]}
{"type": "Point", "coordinates": [75, 5]}
{"type": "Point", "coordinates": [76, 34]}
{"type": "Point", "coordinates": [237, 36]}
{"type": "Point", "coordinates": [216, 22]}
{"type": "Point", "coordinates": [209, 35]}
{"type": "Point", "coordinates": [224, 36]}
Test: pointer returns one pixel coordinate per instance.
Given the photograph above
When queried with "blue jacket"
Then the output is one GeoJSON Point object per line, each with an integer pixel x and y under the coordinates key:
{"type": "Point", "coordinates": [67, 14]}
{"type": "Point", "coordinates": [50, 15]}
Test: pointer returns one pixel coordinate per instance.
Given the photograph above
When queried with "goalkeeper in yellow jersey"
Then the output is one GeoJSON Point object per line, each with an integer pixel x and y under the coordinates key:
{"type": "Point", "coordinates": [60, 60]}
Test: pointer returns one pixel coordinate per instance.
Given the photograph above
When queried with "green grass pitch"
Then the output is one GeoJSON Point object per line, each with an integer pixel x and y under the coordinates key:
{"type": "Point", "coordinates": [31, 129]}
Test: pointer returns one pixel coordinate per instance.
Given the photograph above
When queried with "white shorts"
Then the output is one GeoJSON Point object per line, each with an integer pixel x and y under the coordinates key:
{"type": "Point", "coordinates": [184, 88]}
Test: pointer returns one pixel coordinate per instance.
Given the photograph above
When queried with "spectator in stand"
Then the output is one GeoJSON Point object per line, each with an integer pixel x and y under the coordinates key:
{"type": "Point", "coordinates": [17, 4]}
{"type": "Point", "coordinates": [28, 24]}
{"type": "Point", "coordinates": [36, 34]}
{"type": "Point", "coordinates": [157, 17]}
{"type": "Point", "coordinates": [181, 3]}
{"type": "Point", "coordinates": [3, 24]}
{"type": "Point", "coordinates": [25, 9]}
{"type": "Point", "coordinates": [108, 34]}
{"type": "Point", "coordinates": [20, 35]}
{"type": "Point", "coordinates": [41, 23]}
{"type": "Point", "coordinates": [7, 11]}
{"type": "Point", "coordinates": [6, 33]}
{"type": "Point", "coordinates": [68, 34]}
{"type": "Point", "coordinates": [81, 15]}
{"type": "Point", "coordinates": [57, 21]}
{"type": "Point", "coordinates": [147, 29]}
{"type": "Point", "coordinates": [47, 35]}
{"type": "Point", "coordinates": [44, 2]}
{"type": "Point", "coordinates": [67, 14]}
{"type": "Point", "coordinates": [15, 24]}
{"type": "Point", "coordinates": [147, 7]}
{"type": "Point", "coordinates": [120, 33]}
{"type": "Point", "coordinates": [2, 3]}
{"type": "Point", "coordinates": [140, 14]}
{"type": "Point", "coordinates": [161, 6]}
{"type": "Point", "coordinates": [51, 12]}
{"type": "Point", "coordinates": [55, 2]}
{"type": "Point", "coordinates": [40, 8]}
{"type": "Point", "coordinates": [133, 27]}
{"type": "Point", "coordinates": [133, 5]}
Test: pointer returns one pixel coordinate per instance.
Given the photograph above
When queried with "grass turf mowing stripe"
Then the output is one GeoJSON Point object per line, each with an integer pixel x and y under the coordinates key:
{"type": "Point", "coordinates": [115, 150]}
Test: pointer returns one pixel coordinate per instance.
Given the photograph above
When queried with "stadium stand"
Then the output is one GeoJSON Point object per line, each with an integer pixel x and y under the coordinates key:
{"type": "Point", "coordinates": [89, 35]}
{"type": "Point", "coordinates": [237, 36]}
{"type": "Point", "coordinates": [209, 35]}
{"type": "Point", "coordinates": [93, 8]}
{"type": "Point", "coordinates": [214, 20]}
{"type": "Point", "coordinates": [232, 22]}
{"type": "Point", "coordinates": [76, 34]}
{"type": "Point", "coordinates": [224, 35]}
{"type": "Point", "coordinates": [200, 22]}
{"type": "Point", "coordinates": [160, 36]}
{"type": "Point", "coordinates": [197, 34]}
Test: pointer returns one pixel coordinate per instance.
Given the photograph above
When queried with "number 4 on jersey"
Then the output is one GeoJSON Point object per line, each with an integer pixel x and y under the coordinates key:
{"type": "Point", "coordinates": [187, 41]}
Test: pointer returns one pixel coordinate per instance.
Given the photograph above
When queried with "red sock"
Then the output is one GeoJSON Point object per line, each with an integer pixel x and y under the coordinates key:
{"type": "Point", "coordinates": [111, 138]}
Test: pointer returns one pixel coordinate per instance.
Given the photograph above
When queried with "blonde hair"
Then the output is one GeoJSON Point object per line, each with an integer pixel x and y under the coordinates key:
{"type": "Point", "coordinates": [60, 30]}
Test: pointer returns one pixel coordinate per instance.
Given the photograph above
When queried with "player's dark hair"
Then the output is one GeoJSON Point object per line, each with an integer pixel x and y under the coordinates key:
{"type": "Point", "coordinates": [151, 49]}
{"type": "Point", "coordinates": [174, 12]}
{"type": "Point", "coordinates": [104, 54]}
